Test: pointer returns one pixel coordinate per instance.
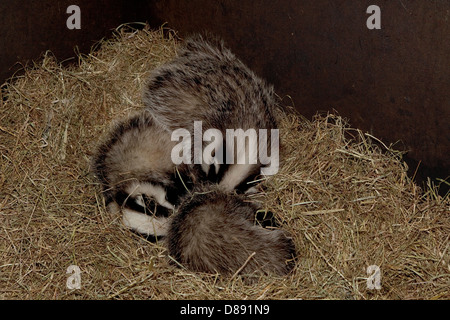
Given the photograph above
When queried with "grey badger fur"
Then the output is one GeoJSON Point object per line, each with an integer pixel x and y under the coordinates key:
{"type": "Point", "coordinates": [214, 231]}
{"type": "Point", "coordinates": [210, 231]}
{"type": "Point", "coordinates": [207, 83]}
{"type": "Point", "coordinates": [138, 177]}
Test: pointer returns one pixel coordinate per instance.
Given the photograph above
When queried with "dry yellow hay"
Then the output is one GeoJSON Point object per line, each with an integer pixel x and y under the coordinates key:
{"type": "Point", "coordinates": [348, 202]}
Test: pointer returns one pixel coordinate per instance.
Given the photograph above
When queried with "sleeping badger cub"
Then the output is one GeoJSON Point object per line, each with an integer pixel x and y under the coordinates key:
{"type": "Point", "coordinates": [138, 177]}
{"type": "Point", "coordinates": [207, 84]}
{"type": "Point", "coordinates": [214, 231]}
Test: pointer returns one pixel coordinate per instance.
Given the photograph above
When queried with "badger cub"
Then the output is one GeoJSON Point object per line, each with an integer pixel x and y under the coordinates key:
{"type": "Point", "coordinates": [138, 177]}
{"type": "Point", "coordinates": [207, 83]}
{"type": "Point", "coordinates": [215, 231]}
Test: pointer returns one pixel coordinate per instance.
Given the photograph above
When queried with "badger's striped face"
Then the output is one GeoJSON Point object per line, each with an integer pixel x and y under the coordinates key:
{"type": "Point", "coordinates": [145, 208]}
{"type": "Point", "coordinates": [141, 190]}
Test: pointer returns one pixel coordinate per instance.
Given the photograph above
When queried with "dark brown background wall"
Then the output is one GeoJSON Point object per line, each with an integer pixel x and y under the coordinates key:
{"type": "Point", "coordinates": [30, 27]}
{"type": "Point", "coordinates": [393, 82]}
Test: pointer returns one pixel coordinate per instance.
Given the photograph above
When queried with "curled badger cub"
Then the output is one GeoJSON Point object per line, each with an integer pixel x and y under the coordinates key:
{"type": "Point", "coordinates": [138, 177]}
{"type": "Point", "coordinates": [217, 232]}
{"type": "Point", "coordinates": [208, 84]}
{"type": "Point", "coordinates": [192, 207]}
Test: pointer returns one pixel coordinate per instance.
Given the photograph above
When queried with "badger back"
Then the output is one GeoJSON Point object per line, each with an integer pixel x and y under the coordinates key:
{"type": "Point", "coordinates": [216, 232]}
{"type": "Point", "coordinates": [207, 82]}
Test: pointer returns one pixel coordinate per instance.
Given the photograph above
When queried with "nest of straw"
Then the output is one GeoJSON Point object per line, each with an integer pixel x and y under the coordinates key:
{"type": "Point", "coordinates": [343, 195]}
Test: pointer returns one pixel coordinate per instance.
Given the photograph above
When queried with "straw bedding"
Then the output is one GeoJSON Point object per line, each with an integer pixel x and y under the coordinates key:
{"type": "Point", "coordinates": [343, 195]}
